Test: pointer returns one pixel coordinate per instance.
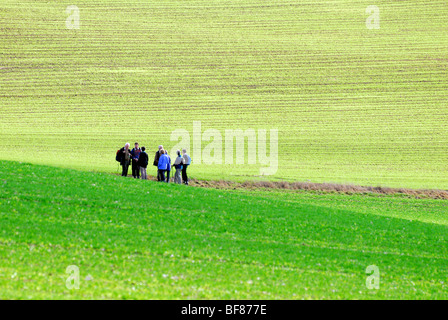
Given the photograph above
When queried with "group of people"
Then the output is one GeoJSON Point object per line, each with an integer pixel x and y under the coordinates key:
{"type": "Point", "coordinates": [138, 158]}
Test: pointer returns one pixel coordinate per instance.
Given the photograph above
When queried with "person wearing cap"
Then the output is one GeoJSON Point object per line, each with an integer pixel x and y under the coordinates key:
{"type": "Point", "coordinates": [156, 160]}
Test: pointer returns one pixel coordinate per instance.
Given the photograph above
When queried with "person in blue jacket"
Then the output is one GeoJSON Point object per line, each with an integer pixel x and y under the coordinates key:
{"type": "Point", "coordinates": [135, 155]}
{"type": "Point", "coordinates": [162, 166]}
{"type": "Point", "coordinates": [168, 168]}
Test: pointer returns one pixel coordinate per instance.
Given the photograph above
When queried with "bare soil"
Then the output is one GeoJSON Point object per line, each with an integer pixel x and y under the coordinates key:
{"type": "Point", "coordinates": [317, 187]}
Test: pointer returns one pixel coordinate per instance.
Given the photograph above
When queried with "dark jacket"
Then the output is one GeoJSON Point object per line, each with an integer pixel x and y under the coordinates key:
{"type": "Point", "coordinates": [156, 159]}
{"type": "Point", "coordinates": [122, 162]}
{"type": "Point", "coordinates": [143, 159]}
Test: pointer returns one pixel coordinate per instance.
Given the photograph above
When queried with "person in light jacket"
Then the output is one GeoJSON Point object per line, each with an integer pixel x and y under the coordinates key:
{"type": "Point", "coordinates": [178, 164]}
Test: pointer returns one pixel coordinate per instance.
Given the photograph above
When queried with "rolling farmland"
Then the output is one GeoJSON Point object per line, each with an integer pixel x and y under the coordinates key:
{"type": "Point", "coordinates": [351, 105]}
{"type": "Point", "coordinates": [198, 243]}
{"type": "Point", "coordinates": [354, 106]}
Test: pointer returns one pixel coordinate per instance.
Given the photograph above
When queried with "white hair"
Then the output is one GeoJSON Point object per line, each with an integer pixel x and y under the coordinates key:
{"type": "Point", "coordinates": [160, 147]}
{"type": "Point", "coordinates": [184, 150]}
{"type": "Point", "coordinates": [127, 144]}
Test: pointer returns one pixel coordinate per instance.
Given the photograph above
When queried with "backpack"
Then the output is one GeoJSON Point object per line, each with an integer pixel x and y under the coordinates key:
{"type": "Point", "coordinates": [118, 156]}
{"type": "Point", "coordinates": [180, 165]}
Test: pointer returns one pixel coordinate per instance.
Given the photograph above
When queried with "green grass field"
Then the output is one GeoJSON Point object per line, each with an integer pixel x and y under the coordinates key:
{"type": "Point", "coordinates": [352, 105]}
{"type": "Point", "coordinates": [142, 239]}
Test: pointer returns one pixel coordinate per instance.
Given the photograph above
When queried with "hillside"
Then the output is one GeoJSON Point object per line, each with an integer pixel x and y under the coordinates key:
{"type": "Point", "coordinates": [351, 104]}
{"type": "Point", "coordinates": [143, 239]}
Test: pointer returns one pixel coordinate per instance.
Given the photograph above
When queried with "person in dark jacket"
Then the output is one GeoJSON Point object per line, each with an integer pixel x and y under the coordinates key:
{"type": "Point", "coordinates": [143, 163]}
{"type": "Point", "coordinates": [156, 160]}
{"type": "Point", "coordinates": [135, 154]}
{"type": "Point", "coordinates": [162, 166]}
{"type": "Point", "coordinates": [184, 169]}
{"type": "Point", "coordinates": [125, 156]}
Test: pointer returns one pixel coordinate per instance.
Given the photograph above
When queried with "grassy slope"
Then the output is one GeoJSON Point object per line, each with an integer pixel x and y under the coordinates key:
{"type": "Point", "coordinates": [351, 104]}
{"type": "Point", "coordinates": [140, 239]}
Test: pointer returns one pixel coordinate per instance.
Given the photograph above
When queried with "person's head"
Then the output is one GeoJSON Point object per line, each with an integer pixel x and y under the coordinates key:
{"type": "Point", "coordinates": [160, 147]}
{"type": "Point", "coordinates": [143, 148]}
{"type": "Point", "coordinates": [178, 152]}
{"type": "Point", "coordinates": [127, 145]}
{"type": "Point", "coordinates": [136, 145]}
{"type": "Point", "coordinates": [162, 151]}
{"type": "Point", "coordinates": [184, 151]}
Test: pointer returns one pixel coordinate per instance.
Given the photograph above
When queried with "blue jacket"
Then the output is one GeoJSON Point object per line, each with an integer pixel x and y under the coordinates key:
{"type": "Point", "coordinates": [136, 153]}
{"type": "Point", "coordinates": [169, 163]}
{"type": "Point", "coordinates": [163, 162]}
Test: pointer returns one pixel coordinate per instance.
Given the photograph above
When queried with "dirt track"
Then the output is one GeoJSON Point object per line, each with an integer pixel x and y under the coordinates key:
{"type": "Point", "coordinates": [323, 187]}
{"type": "Point", "coordinates": [318, 187]}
